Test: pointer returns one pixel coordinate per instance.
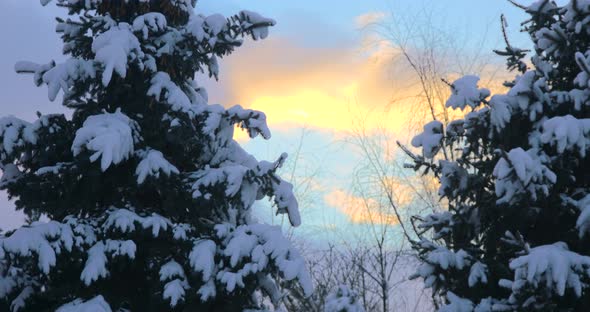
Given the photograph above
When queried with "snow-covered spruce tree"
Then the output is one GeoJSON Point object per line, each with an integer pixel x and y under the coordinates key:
{"type": "Point", "coordinates": [516, 233]}
{"type": "Point", "coordinates": [147, 194]}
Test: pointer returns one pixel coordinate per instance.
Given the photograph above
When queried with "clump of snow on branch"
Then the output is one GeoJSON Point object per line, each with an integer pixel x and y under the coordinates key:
{"type": "Point", "coordinates": [45, 240]}
{"type": "Point", "coordinates": [151, 164]}
{"type": "Point", "coordinates": [14, 133]}
{"type": "Point", "coordinates": [202, 258]}
{"type": "Point", "coordinates": [174, 290]}
{"type": "Point", "coordinates": [110, 137]}
{"type": "Point", "coordinates": [477, 274]}
{"type": "Point", "coordinates": [554, 266]}
{"type": "Point", "coordinates": [114, 48]}
{"type": "Point", "coordinates": [261, 243]}
{"type": "Point", "coordinates": [95, 266]}
{"type": "Point", "coordinates": [150, 22]}
{"type": "Point", "coordinates": [256, 23]}
{"type": "Point", "coordinates": [439, 258]}
{"type": "Point", "coordinates": [453, 179]}
{"type": "Point", "coordinates": [247, 181]}
{"type": "Point", "coordinates": [567, 133]}
{"type": "Point", "coordinates": [59, 76]}
{"type": "Point", "coordinates": [430, 139]}
{"type": "Point", "coordinates": [583, 221]}
{"type": "Point", "coordinates": [163, 87]}
{"type": "Point", "coordinates": [521, 173]}
{"type": "Point", "coordinates": [96, 304]}
{"type": "Point", "coordinates": [466, 93]}
{"type": "Point", "coordinates": [125, 221]}
{"type": "Point", "coordinates": [456, 304]}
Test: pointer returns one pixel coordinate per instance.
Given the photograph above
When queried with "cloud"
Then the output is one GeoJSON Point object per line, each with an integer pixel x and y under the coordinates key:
{"type": "Point", "coordinates": [359, 209]}
{"type": "Point", "coordinates": [370, 18]}
{"type": "Point", "coordinates": [321, 88]}
{"type": "Point", "coordinates": [366, 84]}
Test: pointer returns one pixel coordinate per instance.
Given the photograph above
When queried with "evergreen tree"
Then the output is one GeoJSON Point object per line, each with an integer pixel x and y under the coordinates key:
{"type": "Point", "coordinates": [149, 197]}
{"type": "Point", "coordinates": [515, 236]}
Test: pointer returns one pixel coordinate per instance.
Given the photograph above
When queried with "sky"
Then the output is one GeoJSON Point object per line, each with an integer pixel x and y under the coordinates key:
{"type": "Point", "coordinates": [322, 72]}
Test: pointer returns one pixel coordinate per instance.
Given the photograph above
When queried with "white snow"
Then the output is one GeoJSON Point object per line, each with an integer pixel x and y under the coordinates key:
{"type": "Point", "coordinates": [231, 175]}
{"type": "Point", "coordinates": [20, 301]}
{"type": "Point", "coordinates": [96, 304]}
{"type": "Point", "coordinates": [124, 220]}
{"type": "Point", "coordinates": [440, 222]}
{"type": "Point", "coordinates": [430, 139]}
{"type": "Point", "coordinates": [195, 27]}
{"type": "Point", "coordinates": [207, 291]}
{"type": "Point", "coordinates": [15, 133]}
{"type": "Point", "coordinates": [163, 87]}
{"type": "Point", "coordinates": [567, 133]}
{"type": "Point", "coordinates": [519, 173]}
{"type": "Point", "coordinates": [63, 76]}
{"type": "Point", "coordinates": [583, 222]}
{"type": "Point", "coordinates": [501, 110]}
{"type": "Point", "coordinates": [583, 78]}
{"type": "Point", "coordinates": [95, 266]}
{"type": "Point", "coordinates": [477, 274]}
{"type": "Point", "coordinates": [466, 93]}
{"type": "Point", "coordinates": [247, 180]}
{"type": "Point", "coordinates": [10, 173]}
{"type": "Point", "coordinates": [251, 120]}
{"type": "Point", "coordinates": [55, 169]}
{"type": "Point", "coordinates": [555, 266]}
{"type": "Point", "coordinates": [202, 258]}
{"type": "Point", "coordinates": [185, 5]}
{"type": "Point", "coordinates": [448, 259]}
{"type": "Point", "coordinates": [522, 90]}
{"type": "Point", "coordinates": [215, 24]}
{"type": "Point", "coordinates": [150, 22]}
{"type": "Point", "coordinates": [175, 288]}
{"type": "Point", "coordinates": [59, 76]}
{"type": "Point", "coordinates": [256, 23]}
{"type": "Point", "coordinates": [285, 200]}
{"type": "Point", "coordinates": [542, 6]}
{"type": "Point", "coordinates": [170, 270]}
{"type": "Point", "coordinates": [456, 304]}
{"type": "Point", "coordinates": [114, 48]}
{"type": "Point", "coordinates": [179, 232]}
{"type": "Point", "coordinates": [439, 257]}
{"type": "Point", "coordinates": [110, 136]}
{"type": "Point", "coordinates": [156, 222]}
{"type": "Point", "coordinates": [46, 240]}
{"type": "Point", "coordinates": [175, 291]}
{"type": "Point", "coordinates": [121, 219]}
{"type": "Point", "coordinates": [453, 179]}
{"type": "Point", "coordinates": [152, 163]}
{"type": "Point", "coordinates": [262, 243]}
{"type": "Point", "coordinates": [121, 248]}
{"type": "Point", "coordinates": [241, 245]}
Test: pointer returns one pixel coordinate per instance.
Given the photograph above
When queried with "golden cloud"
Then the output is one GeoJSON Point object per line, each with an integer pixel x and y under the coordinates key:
{"type": "Point", "coordinates": [334, 88]}
{"type": "Point", "coordinates": [327, 89]}
{"type": "Point", "coordinates": [359, 209]}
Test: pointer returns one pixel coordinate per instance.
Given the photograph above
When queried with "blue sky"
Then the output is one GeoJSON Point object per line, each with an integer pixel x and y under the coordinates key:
{"type": "Point", "coordinates": [315, 72]}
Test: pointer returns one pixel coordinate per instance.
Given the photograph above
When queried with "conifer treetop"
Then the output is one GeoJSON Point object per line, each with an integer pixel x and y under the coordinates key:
{"type": "Point", "coordinates": [514, 173]}
{"type": "Point", "coordinates": [149, 196]}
